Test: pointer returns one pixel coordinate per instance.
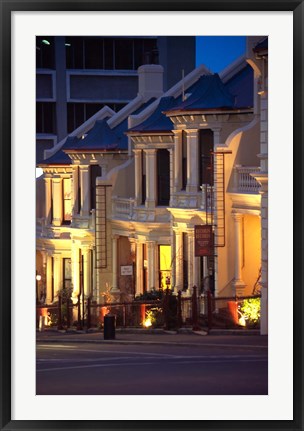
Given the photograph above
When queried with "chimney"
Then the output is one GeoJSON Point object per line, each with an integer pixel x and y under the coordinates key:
{"type": "Point", "coordinates": [150, 81]}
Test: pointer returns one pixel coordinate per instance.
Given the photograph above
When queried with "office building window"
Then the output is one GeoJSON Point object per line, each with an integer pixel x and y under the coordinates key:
{"type": "Point", "coordinates": [45, 117]}
{"type": "Point", "coordinates": [110, 53]}
{"type": "Point", "coordinates": [78, 113]}
{"type": "Point", "coordinates": [45, 58]}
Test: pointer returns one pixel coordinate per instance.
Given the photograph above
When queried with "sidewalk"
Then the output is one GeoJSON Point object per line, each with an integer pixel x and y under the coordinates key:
{"type": "Point", "coordinates": [143, 336]}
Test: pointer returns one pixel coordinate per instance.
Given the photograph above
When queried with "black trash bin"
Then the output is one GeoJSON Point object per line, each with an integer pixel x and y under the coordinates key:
{"type": "Point", "coordinates": [109, 327]}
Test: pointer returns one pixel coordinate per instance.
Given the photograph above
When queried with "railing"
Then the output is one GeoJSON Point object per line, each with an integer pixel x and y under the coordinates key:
{"type": "Point", "coordinates": [245, 182]}
{"type": "Point", "coordinates": [169, 312]}
{"type": "Point", "coordinates": [123, 207]}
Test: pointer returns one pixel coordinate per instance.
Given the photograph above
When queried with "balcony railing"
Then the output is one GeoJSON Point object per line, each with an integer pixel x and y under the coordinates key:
{"type": "Point", "coordinates": [245, 182]}
{"type": "Point", "coordinates": [123, 207]}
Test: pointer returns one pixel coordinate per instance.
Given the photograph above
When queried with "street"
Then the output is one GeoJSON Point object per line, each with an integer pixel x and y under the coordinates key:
{"type": "Point", "coordinates": [208, 366]}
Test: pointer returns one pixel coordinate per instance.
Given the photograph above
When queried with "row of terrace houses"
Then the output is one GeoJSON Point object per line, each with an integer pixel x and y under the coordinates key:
{"type": "Point", "coordinates": [121, 198]}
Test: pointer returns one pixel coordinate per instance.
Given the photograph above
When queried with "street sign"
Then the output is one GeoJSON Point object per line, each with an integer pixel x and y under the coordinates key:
{"type": "Point", "coordinates": [203, 240]}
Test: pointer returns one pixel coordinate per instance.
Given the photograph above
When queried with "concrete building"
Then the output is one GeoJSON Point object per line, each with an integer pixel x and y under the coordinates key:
{"type": "Point", "coordinates": [130, 189]}
{"type": "Point", "coordinates": [77, 76]}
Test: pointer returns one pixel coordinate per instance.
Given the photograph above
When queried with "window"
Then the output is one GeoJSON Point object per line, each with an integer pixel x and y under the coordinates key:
{"type": "Point", "coordinates": [143, 182]}
{"type": "Point", "coordinates": [163, 177]}
{"type": "Point", "coordinates": [165, 267]}
{"type": "Point", "coordinates": [184, 160]}
{"type": "Point", "coordinates": [45, 52]}
{"type": "Point", "coordinates": [124, 54]}
{"type": "Point", "coordinates": [67, 273]}
{"type": "Point", "coordinates": [205, 157]}
{"type": "Point", "coordinates": [95, 171]}
{"type": "Point", "coordinates": [45, 117]}
{"type": "Point", "coordinates": [109, 53]}
{"type": "Point", "coordinates": [67, 201]}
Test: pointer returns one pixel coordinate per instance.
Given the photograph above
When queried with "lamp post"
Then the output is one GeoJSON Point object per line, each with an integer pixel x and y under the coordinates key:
{"type": "Point", "coordinates": [38, 278]}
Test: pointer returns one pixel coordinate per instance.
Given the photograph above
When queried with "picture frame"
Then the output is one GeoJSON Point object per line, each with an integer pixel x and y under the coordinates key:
{"type": "Point", "coordinates": [7, 7]}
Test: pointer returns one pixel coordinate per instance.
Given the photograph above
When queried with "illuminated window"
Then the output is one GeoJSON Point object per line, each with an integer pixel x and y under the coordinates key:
{"type": "Point", "coordinates": [165, 281]}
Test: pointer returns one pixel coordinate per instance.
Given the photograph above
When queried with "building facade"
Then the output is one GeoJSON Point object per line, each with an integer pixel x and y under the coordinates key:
{"type": "Point", "coordinates": [124, 198]}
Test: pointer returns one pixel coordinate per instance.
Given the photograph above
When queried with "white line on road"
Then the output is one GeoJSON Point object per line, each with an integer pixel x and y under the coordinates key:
{"type": "Point", "coordinates": [203, 361]}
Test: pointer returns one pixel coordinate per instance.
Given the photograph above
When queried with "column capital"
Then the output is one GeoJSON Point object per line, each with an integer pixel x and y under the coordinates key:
{"type": "Point", "coordinates": [191, 132]}
{"type": "Point", "coordinates": [237, 216]}
{"type": "Point", "coordinates": [150, 151]}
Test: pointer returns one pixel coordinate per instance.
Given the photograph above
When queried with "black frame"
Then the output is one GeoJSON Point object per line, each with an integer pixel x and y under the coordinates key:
{"type": "Point", "coordinates": [6, 7]}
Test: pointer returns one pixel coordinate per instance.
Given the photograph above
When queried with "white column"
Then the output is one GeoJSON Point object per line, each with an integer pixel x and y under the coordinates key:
{"type": "Point", "coordinates": [151, 265]}
{"type": "Point", "coordinates": [57, 201]}
{"type": "Point", "coordinates": [151, 177]}
{"type": "Point", "coordinates": [75, 263]}
{"type": "Point", "coordinates": [48, 279]}
{"type": "Point", "coordinates": [177, 160]}
{"type": "Point", "coordinates": [75, 189]}
{"type": "Point", "coordinates": [85, 191]}
{"type": "Point", "coordinates": [86, 271]}
{"type": "Point", "coordinates": [139, 269]}
{"type": "Point", "coordinates": [192, 161]}
{"type": "Point", "coordinates": [48, 198]}
{"type": "Point", "coordinates": [114, 263]}
{"type": "Point", "coordinates": [238, 282]}
{"type": "Point", "coordinates": [179, 281]}
{"type": "Point", "coordinates": [138, 176]}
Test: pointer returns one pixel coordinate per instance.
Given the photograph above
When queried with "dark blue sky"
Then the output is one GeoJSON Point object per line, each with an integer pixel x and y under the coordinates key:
{"type": "Point", "coordinates": [216, 52]}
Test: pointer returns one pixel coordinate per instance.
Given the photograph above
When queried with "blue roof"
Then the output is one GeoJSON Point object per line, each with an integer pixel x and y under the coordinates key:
{"type": "Point", "coordinates": [210, 93]}
{"type": "Point", "coordinates": [61, 158]}
{"type": "Point", "coordinates": [100, 137]}
{"type": "Point", "coordinates": [241, 87]}
{"type": "Point", "coordinates": [157, 122]}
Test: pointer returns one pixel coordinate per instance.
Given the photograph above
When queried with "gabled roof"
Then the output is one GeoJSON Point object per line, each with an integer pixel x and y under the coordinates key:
{"type": "Point", "coordinates": [210, 93]}
{"type": "Point", "coordinates": [157, 122]}
{"type": "Point", "coordinates": [240, 86]}
{"type": "Point", "coordinates": [61, 158]}
{"type": "Point", "coordinates": [100, 138]}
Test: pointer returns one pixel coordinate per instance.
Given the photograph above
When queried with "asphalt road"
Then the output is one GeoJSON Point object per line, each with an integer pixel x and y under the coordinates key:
{"type": "Point", "coordinates": [213, 367]}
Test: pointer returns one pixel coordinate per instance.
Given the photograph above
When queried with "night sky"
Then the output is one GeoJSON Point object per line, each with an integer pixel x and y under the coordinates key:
{"type": "Point", "coordinates": [217, 52]}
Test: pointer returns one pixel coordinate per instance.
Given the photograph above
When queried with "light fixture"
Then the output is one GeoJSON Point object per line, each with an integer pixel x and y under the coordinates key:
{"type": "Point", "coordinates": [67, 44]}
{"type": "Point", "coordinates": [45, 42]}
{"type": "Point", "coordinates": [38, 277]}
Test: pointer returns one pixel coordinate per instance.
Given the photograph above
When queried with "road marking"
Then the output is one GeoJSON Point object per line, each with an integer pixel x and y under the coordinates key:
{"type": "Point", "coordinates": [46, 347]}
{"type": "Point", "coordinates": [187, 362]}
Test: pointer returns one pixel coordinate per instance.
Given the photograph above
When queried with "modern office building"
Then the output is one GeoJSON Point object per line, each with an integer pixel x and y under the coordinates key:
{"type": "Point", "coordinates": [77, 76]}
